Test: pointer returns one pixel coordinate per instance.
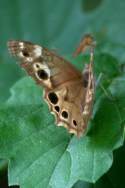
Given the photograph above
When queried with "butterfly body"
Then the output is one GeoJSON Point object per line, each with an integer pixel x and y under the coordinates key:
{"type": "Point", "coordinates": [68, 92]}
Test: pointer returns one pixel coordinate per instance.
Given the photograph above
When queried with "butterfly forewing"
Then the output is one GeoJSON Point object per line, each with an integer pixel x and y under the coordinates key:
{"type": "Point", "coordinates": [43, 64]}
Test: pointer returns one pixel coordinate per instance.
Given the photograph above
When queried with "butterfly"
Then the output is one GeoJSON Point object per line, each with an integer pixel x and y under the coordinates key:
{"type": "Point", "coordinates": [68, 92]}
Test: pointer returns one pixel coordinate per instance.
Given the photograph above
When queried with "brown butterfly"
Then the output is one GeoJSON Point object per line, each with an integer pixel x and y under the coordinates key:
{"type": "Point", "coordinates": [68, 92]}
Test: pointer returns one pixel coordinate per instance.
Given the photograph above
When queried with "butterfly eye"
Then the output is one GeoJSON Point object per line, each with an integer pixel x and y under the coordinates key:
{"type": "Point", "coordinates": [57, 108]}
{"type": "Point", "coordinates": [74, 122]}
{"type": "Point", "coordinates": [42, 74]}
{"type": "Point", "coordinates": [53, 98]}
{"type": "Point", "coordinates": [65, 114]}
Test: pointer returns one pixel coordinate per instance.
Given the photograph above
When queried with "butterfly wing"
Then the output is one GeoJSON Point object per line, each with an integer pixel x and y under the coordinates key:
{"type": "Point", "coordinates": [66, 88]}
{"type": "Point", "coordinates": [43, 65]}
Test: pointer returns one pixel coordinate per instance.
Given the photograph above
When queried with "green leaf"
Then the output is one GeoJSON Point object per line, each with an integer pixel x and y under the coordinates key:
{"type": "Point", "coordinates": [114, 177]}
{"type": "Point", "coordinates": [82, 184]}
{"type": "Point", "coordinates": [27, 129]}
{"type": "Point", "coordinates": [43, 155]}
{"type": "Point", "coordinates": [61, 25]}
{"type": "Point", "coordinates": [117, 89]}
{"type": "Point", "coordinates": [117, 171]}
{"type": "Point", "coordinates": [91, 156]}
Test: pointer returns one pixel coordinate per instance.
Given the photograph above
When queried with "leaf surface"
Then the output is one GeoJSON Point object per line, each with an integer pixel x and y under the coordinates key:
{"type": "Point", "coordinates": [43, 155]}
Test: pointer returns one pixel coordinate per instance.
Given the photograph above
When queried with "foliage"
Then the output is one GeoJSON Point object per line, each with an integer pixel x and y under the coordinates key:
{"type": "Point", "coordinates": [39, 154]}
